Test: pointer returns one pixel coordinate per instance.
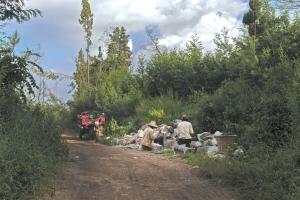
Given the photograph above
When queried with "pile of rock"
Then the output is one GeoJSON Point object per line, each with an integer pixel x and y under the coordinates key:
{"type": "Point", "coordinates": [205, 143]}
{"type": "Point", "coordinates": [208, 144]}
{"type": "Point", "coordinates": [133, 140]}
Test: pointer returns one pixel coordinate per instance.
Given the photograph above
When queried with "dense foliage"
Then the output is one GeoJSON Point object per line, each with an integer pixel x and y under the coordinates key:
{"type": "Point", "coordinates": [30, 146]}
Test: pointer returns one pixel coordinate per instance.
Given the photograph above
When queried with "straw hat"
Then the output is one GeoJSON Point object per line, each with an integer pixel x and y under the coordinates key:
{"type": "Point", "coordinates": [153, 124]}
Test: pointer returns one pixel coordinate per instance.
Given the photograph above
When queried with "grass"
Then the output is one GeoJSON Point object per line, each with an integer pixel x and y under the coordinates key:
{"type": "Point", "coordinates": [275, 177]}
{"type": "Point", "coordinates": [31, 154]}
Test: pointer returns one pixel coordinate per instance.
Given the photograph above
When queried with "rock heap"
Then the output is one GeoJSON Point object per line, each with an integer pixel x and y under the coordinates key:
{"type": "Point", "coordinates": [205, 143]}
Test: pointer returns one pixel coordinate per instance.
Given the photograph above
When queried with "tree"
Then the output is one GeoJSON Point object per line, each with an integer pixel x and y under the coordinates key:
{"type": "Point", "coordinates": [222, 42]}
{"type": "Point", "coordinates": [141, 74]}
{"type": "Point", "coordinates": [251, 17]}
{"type": "Point", "coordinates": [194, 48]}
{"type": "Point", "coordinates": [153, 39]}
{"type": "Point", "coordinates": [14, 9]}
{"type": "Point", "coordinates": [81, 72]}
{"type": "Point", "coordinates": [118, 51]}
{"type": "Point", "coordinates": [15, 69]}
{"type": "Point", "coordinates": [86, 20]}
{"type": "Point", "coordinates": [97, 66]}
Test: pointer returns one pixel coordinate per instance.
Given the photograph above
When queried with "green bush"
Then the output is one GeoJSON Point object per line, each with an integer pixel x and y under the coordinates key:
{"type": "Point", "coordinates": [117, 95]}
{"type": "Point", "coordinates": [229, 109]}
{"type": "Point", "coordinates": [163, 109]}
{"type": "Point", "coordinates": [115, 130]}
{"type": "Point", "coordinates": [30, 153]}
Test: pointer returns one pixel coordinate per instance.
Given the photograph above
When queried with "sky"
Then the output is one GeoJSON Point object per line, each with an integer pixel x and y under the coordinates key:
{"type": "Point", "coordinates": [58, 36]}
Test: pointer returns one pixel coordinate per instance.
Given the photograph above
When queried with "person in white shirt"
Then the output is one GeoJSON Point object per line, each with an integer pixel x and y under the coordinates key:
{"type": "Point", "coordinates": [184, 131]}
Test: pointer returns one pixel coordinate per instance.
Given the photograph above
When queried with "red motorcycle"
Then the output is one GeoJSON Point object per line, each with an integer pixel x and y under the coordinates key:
{"type": "Point", "coordinates": [86, 126]}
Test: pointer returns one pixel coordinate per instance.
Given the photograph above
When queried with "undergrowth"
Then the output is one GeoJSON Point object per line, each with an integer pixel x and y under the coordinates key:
{"type": "Point", "coordinates": [30, 154]}
{"type": "Point", "coordinates": [273, 176]}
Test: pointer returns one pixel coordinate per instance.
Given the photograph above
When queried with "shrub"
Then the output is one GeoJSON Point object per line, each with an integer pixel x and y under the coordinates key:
{"type": "Point", "coordinates": [115, 130]}
{"type": "Point", "coordinates": [163, 109]}
{"type": "Point", "coordinates": [229, 109]}
{"type": "Point", "coordinates": [30, 151]}
{"type": "Point", "coordinates": [117, 95]}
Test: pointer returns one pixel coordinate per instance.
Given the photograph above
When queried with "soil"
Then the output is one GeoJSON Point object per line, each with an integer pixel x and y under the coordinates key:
{"type": "Point", "coordinates": [96, 171]}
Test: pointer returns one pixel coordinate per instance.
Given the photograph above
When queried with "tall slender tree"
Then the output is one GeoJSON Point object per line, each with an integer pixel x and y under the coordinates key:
{"type": "Point", "coordinates": [118, 51]}
{"type": "Point", "coordinates": [252, 16]}
{"type": "Point", "coordinates": [86, 20]}
{"type": "Point", "coordinates": [80, 74]}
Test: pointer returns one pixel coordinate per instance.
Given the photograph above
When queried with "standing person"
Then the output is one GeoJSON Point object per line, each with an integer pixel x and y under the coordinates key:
{"type": "Point", "coordinates": [184, 131]}
{"type": "Point", "coordinates": [101, 123]}
{"type": "Point", "coordinates": [149, 136]}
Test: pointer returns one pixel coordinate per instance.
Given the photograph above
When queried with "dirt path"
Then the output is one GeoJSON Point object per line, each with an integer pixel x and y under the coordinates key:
{"type": "Point", "coordinates": [96, 171]}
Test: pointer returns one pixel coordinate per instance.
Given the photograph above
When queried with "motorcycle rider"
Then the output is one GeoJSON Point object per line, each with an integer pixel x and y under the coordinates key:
{"type": "Point", "coordinates": [85, 122]}
{"type": "Point", "coordinates": [101, 122]}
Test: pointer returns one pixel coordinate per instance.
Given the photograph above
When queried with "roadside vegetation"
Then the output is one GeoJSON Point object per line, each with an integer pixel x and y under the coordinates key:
{"type": "Point", "coordinates": [30, 147]}
{"type": "Point", "coordinates": [248, 86]}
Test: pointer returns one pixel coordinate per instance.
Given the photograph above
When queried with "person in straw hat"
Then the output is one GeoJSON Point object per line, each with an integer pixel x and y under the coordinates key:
{"type": "Point", "coordinates": [149, 136]}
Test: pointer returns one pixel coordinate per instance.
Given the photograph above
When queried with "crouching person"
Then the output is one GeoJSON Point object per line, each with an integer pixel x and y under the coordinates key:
{"type": "Point", "coordinates": [184, 131]}
{"type": "Point", "coordinates": [149, 136]}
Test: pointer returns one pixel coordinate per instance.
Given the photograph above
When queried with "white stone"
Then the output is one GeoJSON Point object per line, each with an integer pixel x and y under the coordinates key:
{"type": "Point", "coordinates": [133, 146]}
{"type": "Point", "coordinates": [183, 148]}
{"type": "Point", "coordinates": [218, 133]}
{"type": "Point", "coordinates": [214, 142]}
{"type": "Point", "coordinates": [219, 156]}
{"type": "Point", "coordinates": [170, 143]}
{"type": "Point", "coordinates": [129, 139]}
{"type": "Point", "coordinates": [212, 150]}
{"type": "Point", "coordinates": [196, 144]}
{"type": "Point", "coordinates": [203, 136]}
{"type": "Point", "coordinates": [238, 152]}
{"type": "Point", "coordinates": [156, 147]}
{"type": "Point", "coordinates": [209, 150]}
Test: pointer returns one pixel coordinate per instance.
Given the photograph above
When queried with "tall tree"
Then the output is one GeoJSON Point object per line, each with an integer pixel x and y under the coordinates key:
{"type": "Point", "coordinates": [153, 40]}
{"type": "Point", "coordinates": [81, 72]}
{"type": "Point", "coordinates": [96, 67]}
{"type": "Point", "coordinates": [141, 75]}
{"type": "Point", "coordinates": [118, 51]}
{"type": "Point", "coordinates": [86, 20]}
{"type": "Point", "coordinates": [251, 17]}
{"type": "Point", "coordinates": [223, 46]}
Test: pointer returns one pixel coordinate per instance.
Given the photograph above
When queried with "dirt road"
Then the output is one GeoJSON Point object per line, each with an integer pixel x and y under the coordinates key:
{"type": "Point", "coordinates": [96, 171]}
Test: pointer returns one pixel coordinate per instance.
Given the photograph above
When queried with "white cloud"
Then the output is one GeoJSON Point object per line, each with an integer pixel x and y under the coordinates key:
{"type": "Point", "coordinates": [206, 18]}
{"type": "Point", "coordinates": [177, 19]}
{"type": "Point", "coordinates": [59, 31]}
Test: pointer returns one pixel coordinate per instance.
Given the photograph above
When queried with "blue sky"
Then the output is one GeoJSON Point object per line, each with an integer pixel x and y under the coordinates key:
{"type": "Point", "coordinates": [57, 35]}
